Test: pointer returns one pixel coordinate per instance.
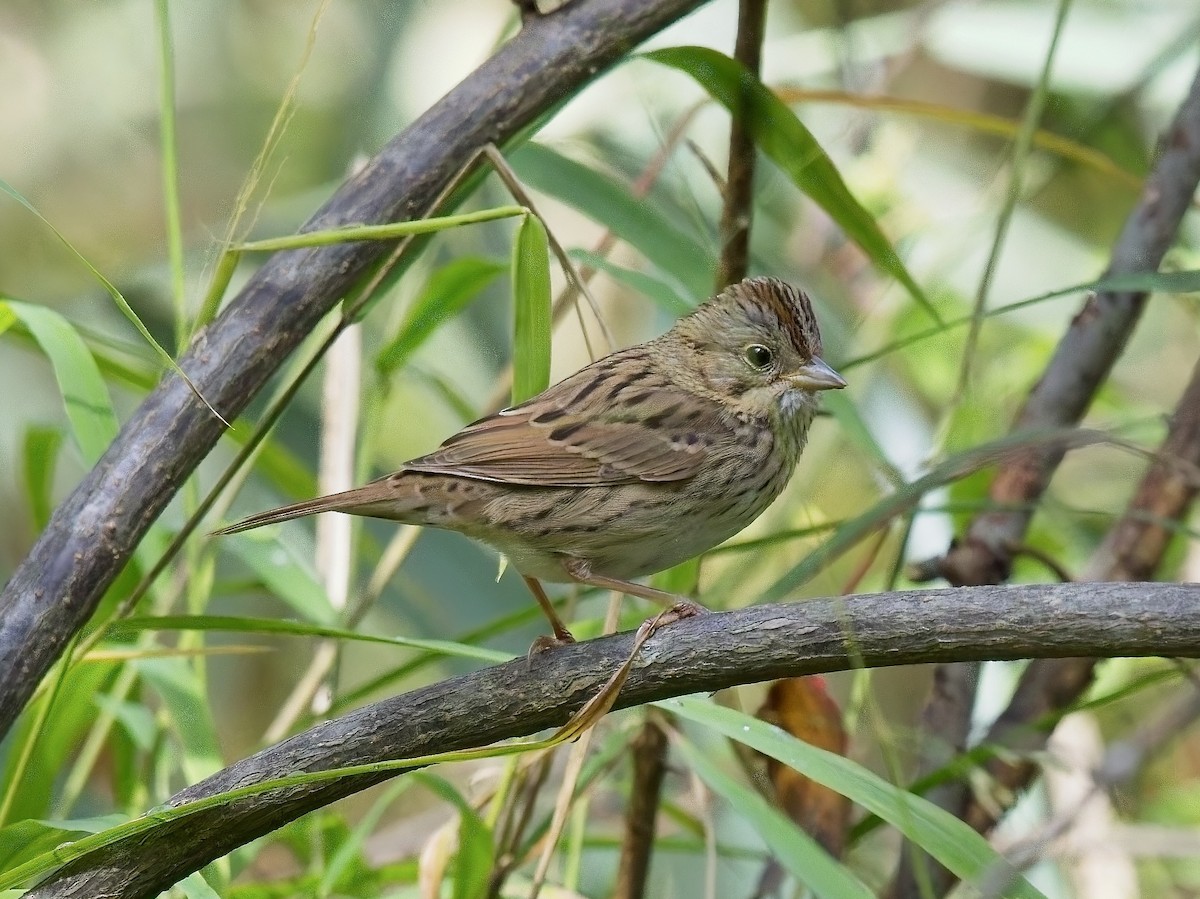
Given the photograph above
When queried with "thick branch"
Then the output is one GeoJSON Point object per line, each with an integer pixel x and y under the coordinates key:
{"type": "Point", "coordinates": [707, 653]}
{"type": "Point", "coordinates": [93, 533]}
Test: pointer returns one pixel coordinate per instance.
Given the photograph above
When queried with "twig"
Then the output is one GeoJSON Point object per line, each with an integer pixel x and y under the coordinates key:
{"type": "Point", "coordinates": [1121, 764]}
{"type": "Point", "coordinates": [1084, 356]}
{"type": "Point", "coordinates": [649, 752]}
{"type": "Point", "coordinates": [1016, 550]}
{"type": "Point", "coordinates": [739, 184]}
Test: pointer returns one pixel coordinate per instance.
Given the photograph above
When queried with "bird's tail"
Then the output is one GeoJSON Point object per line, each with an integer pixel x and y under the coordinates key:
{"type": "Point", "coordinates": [385, 498]}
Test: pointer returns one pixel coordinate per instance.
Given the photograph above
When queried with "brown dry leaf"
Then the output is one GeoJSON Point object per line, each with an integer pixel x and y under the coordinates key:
{"type": "Point", "coordinates": [803, 707]}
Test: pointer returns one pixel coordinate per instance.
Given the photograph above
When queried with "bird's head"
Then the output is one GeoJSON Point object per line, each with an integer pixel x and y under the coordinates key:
{"type": "Point", "coordinates": [757, 343]}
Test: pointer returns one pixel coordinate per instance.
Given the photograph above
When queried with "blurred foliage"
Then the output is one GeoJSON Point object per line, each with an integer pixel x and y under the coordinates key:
{"type": "Point", "coordinates": [79, 96]}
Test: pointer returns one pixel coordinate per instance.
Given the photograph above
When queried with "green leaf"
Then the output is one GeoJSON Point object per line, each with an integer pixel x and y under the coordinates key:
{"type": "Point", "coordinates": [137, 720]}
{"type": "Point", "coordinates": [350, 850]}
{"type": "Point", "coordinates": [40, 452]}
{"type": "Point", "coordinates": [636, 222]}
{"type": "Point", "coordinates": [85, 395]}
{"type": "Point", "coordinates": [184, 697]}
{"type": "Point", "coordinates": [791, 146]}
{"type": "Point", "coordinates": [950, 470]}
{"type": "Point", "coordinates": [1163, 282]}
{"type": "Point", "coordinates": [856, 430]}
{"type": "Point", "coordinates": [799, 853]}
{"type": "Point", "coordinates": [447, 293]}
{"type": "Point", "coordinates": [25, 840]}
{"type": "Point", "coordinates": [531, 301]}
{"type": "Point", "coordinates": [246, 625]}
{"type": "Point", "coordinates": [116, 295]}
{"type": "Point", "coordinates": [473, 870]}
{"type": "Point", "coordinates": [388, 231]}
{"type": "Point", "coordinates": [194, 886]}
{"type": "Point", "coordinates": [58, 740]}
{"type": "Point", "coordinates": [46, 862]}
{"type": "Point", "coordinates": [665, 295]}
{"type": "Point", "coordinates": [952, 842]}
{"type": "Point", "coordinates": [286, 573]}
{"type": "Point", "coordinates": [682, 579]}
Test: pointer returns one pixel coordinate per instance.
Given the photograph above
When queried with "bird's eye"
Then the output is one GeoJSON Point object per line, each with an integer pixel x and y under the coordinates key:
{"type": "Point", "coordinates": [758, 356]}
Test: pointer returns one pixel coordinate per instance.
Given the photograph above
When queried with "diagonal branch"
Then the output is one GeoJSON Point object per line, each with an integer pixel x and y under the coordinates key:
{"type": "Point", "coordinates": [93, 533]}
{"type": "Point", "coordinates": [707, 653]}
{"type": "Point", "coordinates": [1084, 356]}
{"type": "Point", "coordinates": [1132, 551]}
{"type": "Point", "coordinates": [1081, 363]}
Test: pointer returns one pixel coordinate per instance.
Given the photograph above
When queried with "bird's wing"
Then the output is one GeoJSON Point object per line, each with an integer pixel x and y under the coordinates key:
{"type": "Point", "coordinates": [600, 426]}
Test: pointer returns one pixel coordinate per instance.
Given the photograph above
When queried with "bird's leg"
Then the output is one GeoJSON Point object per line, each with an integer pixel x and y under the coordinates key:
{"type": "Point", "coordinates": [561, 634]}
{"type": "Point", "coordinates": [677, 607]}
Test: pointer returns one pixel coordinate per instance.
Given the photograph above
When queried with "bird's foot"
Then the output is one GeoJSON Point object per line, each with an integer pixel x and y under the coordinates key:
{"type": "Point", "coordinates": [545, 643]}
{"type": "Point", "coordinates": [685, 608]}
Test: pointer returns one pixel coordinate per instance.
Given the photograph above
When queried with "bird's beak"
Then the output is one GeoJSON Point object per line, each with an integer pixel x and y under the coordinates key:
{"type": "Point", "coordinates": [817, 375]}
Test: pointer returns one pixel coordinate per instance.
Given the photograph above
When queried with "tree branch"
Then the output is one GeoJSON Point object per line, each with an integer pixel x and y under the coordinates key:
{"type": "Point", "coordinates": [736, 212]}
{"type": "Point", "coordinates": [94, 531]}
{"type": "Point", "coordinates": [1084, 356]}
{"type": "Point", "coordinates": [707, 653]}
{"type": "Point", "coordinates": [649, 752]}
{"type": "Point", "coordinates": [1082, 361]}
{"type": "Point", "coordinates": [1132, 551]}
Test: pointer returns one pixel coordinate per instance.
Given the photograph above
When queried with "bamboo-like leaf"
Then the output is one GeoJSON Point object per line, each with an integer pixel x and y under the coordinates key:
{"type": "Point", "coordinates": [799, 853]}
{"type": "Point", "coordinates": [135, 718]}
{"type": "Point", "coordinates": [792, 147]}
{"type": "Point", "coordinates": [189, 713]}
{"type": "Point", "coordinates": [665, 295]}
{"type": "Point", "coordinates": [85, 395]}
{"type": "Point", "coordinates": [40, 452]}
{"type": "Point", "coordinates": [855, 429]}
{"type": "Point", "coordinates": [194, 886]}
{"type": "Point", "coordinates": [387, 231]}
{"type": "Point", "coordinates": [909, 495]}
{"type": "Point", "coordinates": [982, 122]}
{"type": "Point", "coordinates": [947, 839]}
{"type": "Point", "coordinates": [609, 202]}
{"type": "Point", "coordinates": [289, 575]}
{"type": "Point", "coordinates": [282, 626]}
{"type": "Point", "coordinates": [447, 293]}
{"type": "Point", "coordinates": [1161, 282]}
{"type": "Point", "coordinates": [682, 579]}
{"type": "Point", "coordinates": [46, 862]}
{"type": "Point", "coordinates": [531, 302]}
{"type": "Point", "coordinates": [24, 840]}
{"type": "Point", "coordinates": [116, 295]}
{"type": "Point", "coordinates": [350, 850]}
{"type": "Point", "coordinates": [474, 858]}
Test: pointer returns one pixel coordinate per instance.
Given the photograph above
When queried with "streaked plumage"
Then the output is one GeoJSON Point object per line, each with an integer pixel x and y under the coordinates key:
{"type": "Point", "coordinates": [637, 462]}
